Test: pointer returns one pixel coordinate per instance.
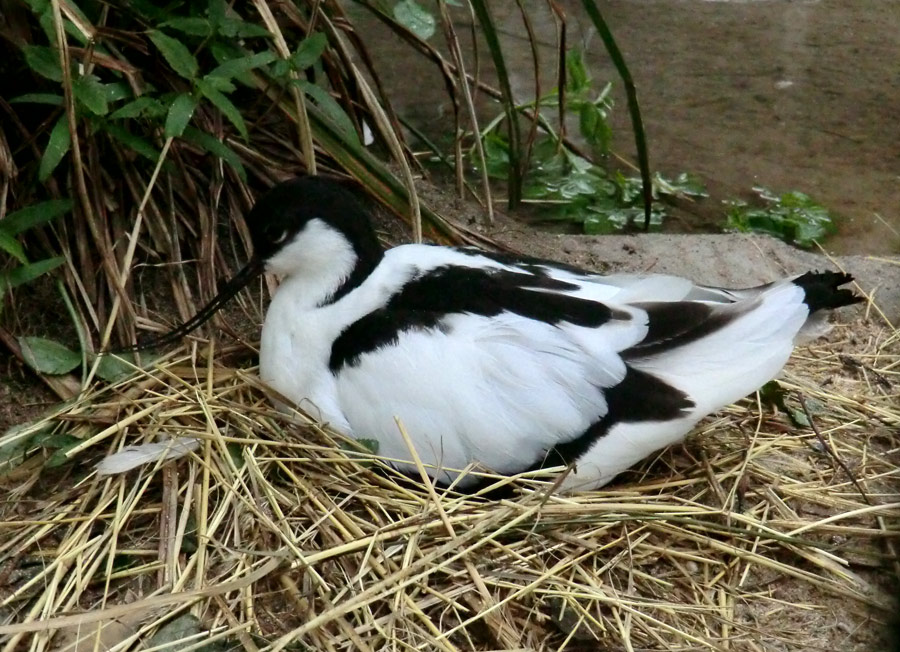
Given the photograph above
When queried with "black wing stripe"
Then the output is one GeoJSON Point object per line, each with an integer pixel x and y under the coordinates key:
{"type": "Point", "coordinates": [678, 323]}
{"type": "Point", "coordinates": [424, 302]}
{"type": "Point", "coordinates": [641, 396]}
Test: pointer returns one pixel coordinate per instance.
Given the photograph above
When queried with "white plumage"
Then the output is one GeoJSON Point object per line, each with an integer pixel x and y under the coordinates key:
{"type": "Point", "coordinates": [497, 363]}
{"type": "Point", "coordinates": [500, 391]}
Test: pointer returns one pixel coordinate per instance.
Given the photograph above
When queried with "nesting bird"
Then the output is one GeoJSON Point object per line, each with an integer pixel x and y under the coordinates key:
{"type": "Point", "coordinates": [497, 362]}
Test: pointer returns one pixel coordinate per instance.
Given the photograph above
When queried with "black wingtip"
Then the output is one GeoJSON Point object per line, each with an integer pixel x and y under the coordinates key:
{"type": "Point", "coordinates": [823, 290]}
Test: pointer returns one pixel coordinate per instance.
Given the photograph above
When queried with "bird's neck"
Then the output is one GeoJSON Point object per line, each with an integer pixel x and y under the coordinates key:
{"type": "Point", "coordinates": [327, 274]}
{"type": "Point", "coordinates": [367, 259]}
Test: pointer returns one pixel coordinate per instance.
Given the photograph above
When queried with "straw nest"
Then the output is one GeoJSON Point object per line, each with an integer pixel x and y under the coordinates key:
{"type": "Point", "coordinates": [760, 533]}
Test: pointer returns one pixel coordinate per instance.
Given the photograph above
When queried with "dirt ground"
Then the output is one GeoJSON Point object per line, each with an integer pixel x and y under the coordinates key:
{"type": "Point", "coordinates": [786, 94]}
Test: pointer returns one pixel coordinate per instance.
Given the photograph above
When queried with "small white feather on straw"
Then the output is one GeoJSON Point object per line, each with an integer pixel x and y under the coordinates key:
{"type": "Point", "coordinates": [131, 457]}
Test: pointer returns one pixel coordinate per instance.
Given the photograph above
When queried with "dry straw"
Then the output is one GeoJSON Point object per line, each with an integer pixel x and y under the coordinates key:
{"type": "Point", "coordinates": [276, 535]}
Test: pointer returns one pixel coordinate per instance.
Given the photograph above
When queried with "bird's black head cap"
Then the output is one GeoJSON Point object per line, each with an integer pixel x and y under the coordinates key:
{"type": "Point", "coordinates": [284, 210]}
{"type": "Point", "coordinates": [278, 216]}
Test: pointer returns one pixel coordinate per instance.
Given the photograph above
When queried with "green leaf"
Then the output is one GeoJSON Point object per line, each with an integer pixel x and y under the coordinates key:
{"type": "Point", "coordinates": [309, 51]}
{"type": "Point", "coordinates": [57, 148]}
{"type": "Point", "coordinates": [216, 147]}
{"type": "Point", "coordinates": [13, 247]}
{"type": "Point", "coordinates": [241, 65]}
{"type": "Point", "coordinates": [27, 273]}
{"type": "Point", "coordinates": [631, 189]}
{"type": "Point", "coordinates": [175, 53]}
{"type": "Point", "coordinates": [611, 219]}
{"type": "Point", "coordinates": [365, 446]}
{"type": "Point", "coordinates": [496, 155]}
{"type": "Point", "coordinates": [70, 27]}
{"type": "Point", "coordinates": [46, 21]}
{"type": "Point", "coordinates": [772, 393]}
{"type": "Point", "coordinates": [369, 444]}
{"type": "Point", "coordinates": [190, 542]}
{"type": "Point", "coordinates": [47, 356]}
{"type": "Point", "coordinates": [280, 68]}
{"type": "Point", "coordinates": [217, 10]}
{"type": "Point", "coordinates": [221, 84]}
{"type": "Point", "coordinates": [16, 441]}
{"type": "Point", "coordinates": [236, 453]}
{"type": "Point", "coordinates": [92, 94]}
{"type": "Point", "coordinates": [794, 217]}
{"type": "Point", "coordinates": [684, 184]}
{"type": "Point", "coordinates": [115, 367]}
{"type": "Point", "coordinates": [415, 18]}
{"type": "Point", "coordinates": [138, 144]}
{"type": "Point", "coordinates": [38, 6]}
{"type": "Point", "coordinates": [798, 417]}
{"type": "Point", "coordinates": [180, 112]}
{"type": "Point", "coordinates": [594, 127]}
{"type": "Point", "coordinates": [224, 105]}
{"type": "Point", "coordinates": [44, 61]}
{"type": "Point", "coordinates": [154, 10]}
{"type": "Point", "coordinates": [117, 91]}
{"type": "Point", "coordinates": [195, 26]}
{"type": "Point", "coordinates": [12, 453]}
{"type": "Point", "coordinates": [34, 215]}
{"type": "Point", "coordinates": [51, 440]}
{"type": "Point", "coordinates": [225, 51]}
{"type": "Point", "coordinates": [38, 98]}
{"type": "Point", "coordinates": [578, 82]}
{"type": "Point", "coordinates": [238, 28]}
{"type": "Point", "coordinates": [332, 110]}
{"type": "Point", "coordinates": [147, 107]}
{"type": "Point", "coordinates": [60, 457]}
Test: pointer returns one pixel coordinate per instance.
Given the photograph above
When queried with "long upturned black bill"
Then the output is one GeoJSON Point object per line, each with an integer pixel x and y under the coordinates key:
{"type": "Point", "coordinates": [250, 271]}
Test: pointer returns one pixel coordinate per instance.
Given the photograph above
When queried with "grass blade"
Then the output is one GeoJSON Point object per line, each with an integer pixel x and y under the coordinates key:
{"type": "Point", "coordinates": [176, 54]}
{"type": "Point", "coordinates": [489, 29]}
{"type": "Point", "coordinates": [35, 215]}
{"type": "Point", "coordinates": [634, 110]}
{"type": "Point", "coordinates": [180, 113]}
{"type": "Point", "coordinates": [57, 147]}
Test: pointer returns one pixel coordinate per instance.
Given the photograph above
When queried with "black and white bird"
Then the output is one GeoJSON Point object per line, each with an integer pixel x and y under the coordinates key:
{"type": "Point", "coordinates": [496, 362]}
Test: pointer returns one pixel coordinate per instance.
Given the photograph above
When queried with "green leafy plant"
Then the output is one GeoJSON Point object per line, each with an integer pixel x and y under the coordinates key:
{"type": "Point", "coordinates": [415, 18]}
{"type": "Point", "coordinates": [793, 217]}
{"type": "Point", "coordinates": [564, 184]}
{"type": "Point", "coordinates": [178, 96]}
{"type": "Point", "coordinates": [774, 395]}
{"type": "Point", "coordinates": [17, 442]}
{"type": "Point", "coordinates": [158, 120]}
{"type": "Point", "coordinates": [212, 51]}
{"type": "Point", "coordinates": [15, 225]}
{"type": "Point", "coordinates": [54, 359]}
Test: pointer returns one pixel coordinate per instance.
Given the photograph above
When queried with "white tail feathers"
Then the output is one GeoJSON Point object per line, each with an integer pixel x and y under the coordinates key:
{"type": "Point", "coordinates": [735, 360]}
